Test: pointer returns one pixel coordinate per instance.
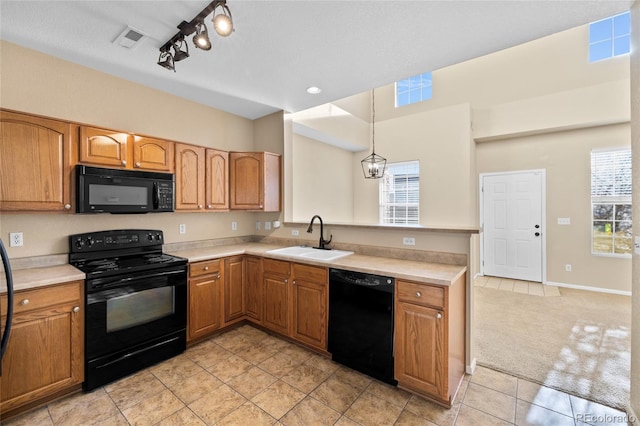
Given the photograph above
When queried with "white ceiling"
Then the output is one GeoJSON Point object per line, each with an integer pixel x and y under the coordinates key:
{"type": "Point", "coordinates": [279, 48]}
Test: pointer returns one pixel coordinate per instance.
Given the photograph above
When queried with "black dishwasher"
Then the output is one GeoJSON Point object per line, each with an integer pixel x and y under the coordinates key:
{"type": "Point", "coordinates": [361, 322]}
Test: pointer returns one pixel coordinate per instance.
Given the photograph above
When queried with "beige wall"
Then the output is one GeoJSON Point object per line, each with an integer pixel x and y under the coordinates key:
{"type": "Point", "coordinates": [566, 158]}
{"type": "Point", "coordinates": [36, 83]}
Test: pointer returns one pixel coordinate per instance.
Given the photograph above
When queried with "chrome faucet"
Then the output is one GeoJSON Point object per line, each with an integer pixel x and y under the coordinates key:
{"type": "Point", "coordinates": [322, 242]}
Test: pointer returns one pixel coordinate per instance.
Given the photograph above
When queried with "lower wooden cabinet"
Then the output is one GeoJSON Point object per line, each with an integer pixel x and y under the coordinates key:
{"type": "Point", "coordinates": [234, 289]}
{"type": "Point", "coordinates": [205, 290]}
{"type": "Point", "coordinates": [310, 305]}
{"type": "Point", "coordinates": [254, 289]}
{"type": "Point", "coordinates": [45, 354]}
{"type": "Point", "coordinates": [276, 295]}
{"type": "Point", "coordinates": [429, 338]}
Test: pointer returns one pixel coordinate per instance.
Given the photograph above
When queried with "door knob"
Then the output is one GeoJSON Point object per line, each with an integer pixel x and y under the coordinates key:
{"type": "Point", "coordinates": [537, 226]}
{"type": "Point", "coordinates": [537, 234]}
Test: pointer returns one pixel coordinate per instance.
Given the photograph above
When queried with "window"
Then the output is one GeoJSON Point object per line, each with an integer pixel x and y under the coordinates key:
{"type": "Point", "coordinates": [611, 202]}
{"type": "Point", "coordinates": [413, 89]}
{"type": "Point", "coordinates": [610, 37]}
{"type": "Point", "coordinates": [400, 194]}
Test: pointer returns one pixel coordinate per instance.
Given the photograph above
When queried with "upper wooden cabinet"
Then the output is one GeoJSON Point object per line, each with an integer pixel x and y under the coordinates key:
{"type": "Point", "coordinates": [110, 148]}
{"type": "Point", "coordinates": [255, 181]}
{"type": "Point", "coordinates": [190, 161]}
{"type": "Point", "coordinates": [217, 180]}
{"type": "Point", "coordinates": [36, 156]}
{"type": "Point", "coordinates": [202, 178]}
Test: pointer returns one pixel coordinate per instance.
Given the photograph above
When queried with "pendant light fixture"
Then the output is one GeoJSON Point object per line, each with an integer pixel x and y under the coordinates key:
{"type": "Point", "coordinates": [374, 165]}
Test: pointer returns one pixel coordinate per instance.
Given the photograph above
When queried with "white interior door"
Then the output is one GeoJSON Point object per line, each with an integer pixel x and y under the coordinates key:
{"type": "Point", "coordinates": [513, 221]}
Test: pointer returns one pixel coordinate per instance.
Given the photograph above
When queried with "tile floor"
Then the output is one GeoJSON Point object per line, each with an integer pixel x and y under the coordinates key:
{"type": "Point", "coordinates": [247, 377]}
{"type": "Point", "coordinates": [526, 287]}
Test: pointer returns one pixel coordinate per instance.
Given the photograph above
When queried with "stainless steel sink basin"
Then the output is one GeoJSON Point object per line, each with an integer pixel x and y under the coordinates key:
{"type": "Point", "coordinates": [311, 253]}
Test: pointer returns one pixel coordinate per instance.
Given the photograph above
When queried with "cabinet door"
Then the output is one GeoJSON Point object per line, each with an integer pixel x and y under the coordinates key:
{"type": "Point", "coordinates": [35, 159]}
{"type": "Point", "coordinates": [310, 299]}
{"type": "Point", "coordinates": [420, 349]}
{"type": "Point", "coordinates": [310, 313]}
{"type": "Point", "coordinates": [272, 201]}
{"type": "Point", "coordinates": [153, 154]}
{"type": "Point", "coordinates": [254, 289]}
{"type": "Point", "coordinates": [204, 306]}
{"type": "Point", "coordinates": [189, 177]}
{"type": "Point", "coordinates": [104, 147]}
{"type": "Point", "coordinates": [276, 303]}
{"type": "Point", "coordinates": [45, 353]}
{"type": "Point", "coordinates": [217, 176]}
{"type": "Point", "coordinates": [246, 180]}
{"type": "Point", "coordinates": [234, 289]}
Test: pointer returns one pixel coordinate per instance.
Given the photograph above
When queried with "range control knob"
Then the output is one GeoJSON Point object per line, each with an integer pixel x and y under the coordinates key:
{"type": "Point", "coordinates": [158, 237]}
{"type": "Point", "coordinates": [89, 241]}
{"type": "Point", "coordinates": [150, 237]}
{"type": "Point", "coordinates": [79, 243]}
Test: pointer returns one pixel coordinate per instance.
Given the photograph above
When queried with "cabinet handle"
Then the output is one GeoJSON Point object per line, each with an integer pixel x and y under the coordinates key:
{"type": "Point", "coordinates": [218, 276]}
{"type": "Point", "coordinates": [76, 309]}
{"type": "Point", "coordinates": [199, 206]}
{"type": "Point", "coordinates": [260, 205]}
{"type": "Point", "coordinates": [294, 282]}
{"type": "Point", "coordinates": [439, 315]}
{"type": "Point", "coordinates": [418, 294]}
{"type": "Point", "coordinates": [209, 206]}
{"type": "Point", "coordinates": [124, 162]}
{"type": "Point", "coordinates": [67, 206]}
{"type": "Point", "coordinates": [286, 281]}
{"type": "Point", "coordinates": [24, 302]}
{"type": "Point", "coordinates": [206, 268]}
{"type": "Point", "coordinates": [137, 164]}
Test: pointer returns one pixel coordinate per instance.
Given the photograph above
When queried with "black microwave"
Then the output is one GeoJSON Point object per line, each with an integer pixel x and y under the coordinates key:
{"type": "Point", "coordinates": [100, 190]}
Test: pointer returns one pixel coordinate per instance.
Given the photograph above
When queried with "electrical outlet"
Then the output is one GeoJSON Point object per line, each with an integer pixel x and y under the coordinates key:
{"type": "Point", "coordinates": [234, 226]}
{"type": "Point", "coordinates": [267, 226]}
{"type": "Point", "coordinates": [295, 232]}
{"type": "Point", "coordinates": [183, 228]}
{"type": "Point", "coordinates": [567, 267]}
{"type": "Point", "coordinates": [257, 225]}
{"type": "Point", "coordinates": [15, 239]}
{"type": "Point", "coordinates": [409, 241]}
{"type": "Point", "coordinates": [564, 221]}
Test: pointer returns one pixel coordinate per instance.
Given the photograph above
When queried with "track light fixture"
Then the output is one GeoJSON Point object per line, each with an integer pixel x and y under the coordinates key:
{"type": "Point", "coordinates": [166, 60]}
{"type": "Point", "coordinates": [222, 23]}
{"type": "Point", "coordinates": [178, 53]}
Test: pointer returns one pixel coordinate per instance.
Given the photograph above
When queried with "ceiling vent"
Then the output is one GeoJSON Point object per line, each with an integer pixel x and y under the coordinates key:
{"type": "Point", "coordinates": [130, 38]}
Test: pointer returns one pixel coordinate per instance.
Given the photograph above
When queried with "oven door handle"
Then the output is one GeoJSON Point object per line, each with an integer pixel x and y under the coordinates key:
{"type": "Point", "coordinates": [103, 283]}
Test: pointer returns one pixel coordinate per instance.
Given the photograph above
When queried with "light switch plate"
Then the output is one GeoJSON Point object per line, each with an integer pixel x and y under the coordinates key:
{"type": "Point", "coordinates": [564, 221]}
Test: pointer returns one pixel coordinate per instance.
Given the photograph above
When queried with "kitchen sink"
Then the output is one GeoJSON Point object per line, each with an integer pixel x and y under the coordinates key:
{"type": "Point", "coordinates": [311, 253]}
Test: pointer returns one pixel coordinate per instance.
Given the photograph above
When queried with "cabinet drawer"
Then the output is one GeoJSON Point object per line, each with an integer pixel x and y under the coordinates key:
{"type": "Point", "coordinates": [276, 266]}
{"type": "Point", "coordinates": [204, 268]}
{"type": "Point", "coordinates": [30, 300]}
{"type": "Point", "coordinates": [420, 294]}
{"type": "Point", "coordinates": [312, 274]}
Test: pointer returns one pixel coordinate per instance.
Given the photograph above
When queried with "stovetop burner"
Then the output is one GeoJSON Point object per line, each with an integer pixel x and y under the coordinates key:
{"type": "Point", "coordinates": [108, 253]}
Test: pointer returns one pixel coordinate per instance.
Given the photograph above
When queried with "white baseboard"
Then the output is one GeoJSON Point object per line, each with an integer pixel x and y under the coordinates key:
{"type": "Point", "coordinates": [471, 368]}
{"type": "Point", "coordinates": [588, 288]}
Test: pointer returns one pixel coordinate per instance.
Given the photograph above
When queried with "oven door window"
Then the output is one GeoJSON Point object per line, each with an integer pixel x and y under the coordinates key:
{"type": "Point", "coordinates": [139, 308]}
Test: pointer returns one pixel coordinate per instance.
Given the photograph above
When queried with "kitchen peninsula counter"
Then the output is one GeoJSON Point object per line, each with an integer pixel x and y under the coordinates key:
{"type": "Point", "coordinates": [423, 272]}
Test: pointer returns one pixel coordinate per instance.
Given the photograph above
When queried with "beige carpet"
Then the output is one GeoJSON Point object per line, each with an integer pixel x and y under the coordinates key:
{"type": "Point", "coordinates": [579, 342]}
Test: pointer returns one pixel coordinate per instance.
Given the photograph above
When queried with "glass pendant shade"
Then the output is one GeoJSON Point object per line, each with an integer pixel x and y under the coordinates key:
{"type": "Point", "coordinates": [201, 39]}
{"type": "Point", "coordinates": [166, 61]}
{"type": "Point", "coordinates": [222, 22]}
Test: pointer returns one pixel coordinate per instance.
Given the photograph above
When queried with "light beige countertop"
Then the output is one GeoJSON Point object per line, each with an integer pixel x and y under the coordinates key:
{"type": "Point", "coordinates": [425, 272]}
{"type": "Point", "coordinates": [24, 279]}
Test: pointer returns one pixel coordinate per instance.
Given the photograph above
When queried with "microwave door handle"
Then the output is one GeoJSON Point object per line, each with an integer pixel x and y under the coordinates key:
{"type": "Point", "coordinates": [156, 195]}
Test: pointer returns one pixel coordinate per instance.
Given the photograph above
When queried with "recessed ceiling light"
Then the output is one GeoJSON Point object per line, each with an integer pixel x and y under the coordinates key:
{"type": "Point", "coordinates": [314, 90]}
